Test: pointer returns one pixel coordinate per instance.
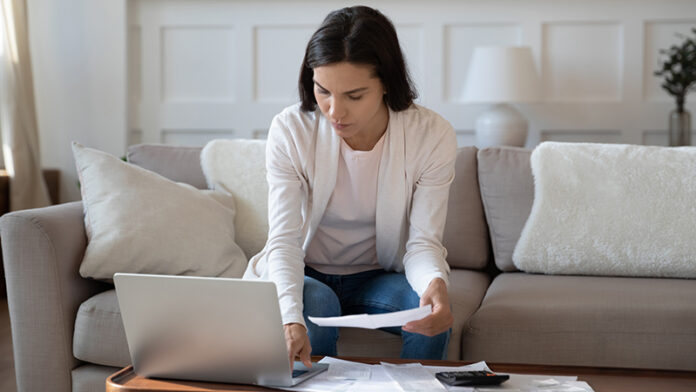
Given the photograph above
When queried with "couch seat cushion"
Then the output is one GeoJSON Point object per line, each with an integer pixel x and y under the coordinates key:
{"type": "Point", "coordinates": [99, 336]}
{"type": "Point", "coordinates": [90, 378]}
{"type": "Point", "coordinates": [585, 321]}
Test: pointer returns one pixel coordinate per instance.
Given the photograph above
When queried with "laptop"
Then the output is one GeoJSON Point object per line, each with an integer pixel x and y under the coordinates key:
{"type": "Point", "coordinates": [207, 329]}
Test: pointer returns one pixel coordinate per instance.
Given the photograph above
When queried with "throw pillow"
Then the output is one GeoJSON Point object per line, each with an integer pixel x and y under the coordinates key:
{"type": "Point", "coordinates": [507, 192]}
{"type": "Point", "coordinates": [601, 209]}
{"type": "Point", "coordinates": [238, 167]}
{"type": "Point", "coordinates": [138, 221]}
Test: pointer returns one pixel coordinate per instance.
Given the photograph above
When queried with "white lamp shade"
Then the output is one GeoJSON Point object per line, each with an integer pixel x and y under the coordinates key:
{"type": "Point", "coordinates": [502, 74]}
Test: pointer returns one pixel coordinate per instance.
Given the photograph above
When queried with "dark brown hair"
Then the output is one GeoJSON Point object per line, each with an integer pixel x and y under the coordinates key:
{"type": "Point", "coordinates": [359, 35]}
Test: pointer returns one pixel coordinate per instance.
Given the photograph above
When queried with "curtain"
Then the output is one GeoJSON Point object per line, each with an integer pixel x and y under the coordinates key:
{"type": "Point", "coordinates": [20, 137]}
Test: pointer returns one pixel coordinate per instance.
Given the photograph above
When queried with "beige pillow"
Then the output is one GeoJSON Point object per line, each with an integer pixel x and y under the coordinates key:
{"type": "Point", "coordinates": [138, 221]}
{"type": "Point", "coordinates": [238, 167]}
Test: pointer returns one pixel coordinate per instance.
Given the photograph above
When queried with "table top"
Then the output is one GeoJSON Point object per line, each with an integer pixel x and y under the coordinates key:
{"type": "Point", "coordinates": [600, 379]}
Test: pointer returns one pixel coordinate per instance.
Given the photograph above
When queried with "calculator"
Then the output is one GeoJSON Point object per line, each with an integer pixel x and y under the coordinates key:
{"type": "Point", "coordinates": [471, 378]}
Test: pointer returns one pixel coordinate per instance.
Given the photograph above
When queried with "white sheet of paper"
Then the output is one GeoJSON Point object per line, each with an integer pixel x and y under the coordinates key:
{"type": "Point", "coordinates": [379, 379]}
{"type": "Point", "coordinates": [413, 377]}
{"type": "Point", "coordinates": [374, 321]}
{"type": "Point", "coordinates": [348, 371]}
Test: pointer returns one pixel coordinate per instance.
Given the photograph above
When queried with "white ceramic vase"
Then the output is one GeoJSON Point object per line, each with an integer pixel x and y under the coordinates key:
{"type": "Point", "coordinates": [501, 125]}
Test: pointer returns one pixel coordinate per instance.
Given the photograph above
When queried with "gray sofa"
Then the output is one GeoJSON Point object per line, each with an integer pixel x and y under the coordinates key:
{"type": "Point", "coordinates": [67, 332]}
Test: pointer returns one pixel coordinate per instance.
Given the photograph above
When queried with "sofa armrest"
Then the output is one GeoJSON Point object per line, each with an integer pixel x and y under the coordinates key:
{"type": "Point", "coordinates": [42, 251]}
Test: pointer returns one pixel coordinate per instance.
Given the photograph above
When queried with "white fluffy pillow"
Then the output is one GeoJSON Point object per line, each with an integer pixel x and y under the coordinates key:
{"type": "Point", "coordinates": [138, 221]}
{"type": "Point", "coordinates": [238, 167]}
{"type": "Point", "coordinates": [603, 209]}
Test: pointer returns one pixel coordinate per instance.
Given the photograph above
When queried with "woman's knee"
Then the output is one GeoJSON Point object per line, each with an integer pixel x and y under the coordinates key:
{"type": "Point", "coordinates": [319, 300]}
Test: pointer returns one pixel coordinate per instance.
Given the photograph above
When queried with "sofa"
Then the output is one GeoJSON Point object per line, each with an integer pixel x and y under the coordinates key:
{"type": "Point", "coordinates": [68, 336]}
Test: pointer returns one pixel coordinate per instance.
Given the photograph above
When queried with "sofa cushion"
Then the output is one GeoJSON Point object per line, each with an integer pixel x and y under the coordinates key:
{"type": "Point", "coordinates": [585, 321]}
{"type": "Point", "coordinates": [90, 378]}
{"type": "Point", "coordinates": [612, 210]}
{"type": "Point", "coordinates": [138, 221]}
{"type": "Point", "coordinates": [466, 234]}
{"type": "Point", "coordinates": [507, 191]}
{"type": "Point", "coordinates": [180, 164]}
{"type": "Point", "coordinates": [99, 336]}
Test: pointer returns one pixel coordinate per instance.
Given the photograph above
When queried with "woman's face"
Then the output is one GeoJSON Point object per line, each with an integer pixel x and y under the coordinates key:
{"type": "Point", "coordinates": [350, 96]}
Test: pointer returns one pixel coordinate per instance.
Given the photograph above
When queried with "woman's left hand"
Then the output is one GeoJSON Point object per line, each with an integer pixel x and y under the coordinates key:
{"type": "Point", "coordinates": [440, 320]}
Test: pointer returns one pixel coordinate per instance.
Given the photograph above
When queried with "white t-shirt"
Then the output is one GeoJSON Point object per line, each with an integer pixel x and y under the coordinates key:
{"type": "Point", "coordinates": [345, 241]}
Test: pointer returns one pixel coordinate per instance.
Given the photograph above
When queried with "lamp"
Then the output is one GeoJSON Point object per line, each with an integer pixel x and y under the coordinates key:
{"type": "Point", "coordinates": [499, 74]}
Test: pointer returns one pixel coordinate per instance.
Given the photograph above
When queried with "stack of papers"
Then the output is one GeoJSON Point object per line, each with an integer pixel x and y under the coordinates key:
{"type": "Point", "coordinates": [356, 377]}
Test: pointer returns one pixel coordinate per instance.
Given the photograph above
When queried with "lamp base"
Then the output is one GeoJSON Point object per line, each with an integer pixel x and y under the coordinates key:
{"type": "Point", "coordinates": [501, 125]}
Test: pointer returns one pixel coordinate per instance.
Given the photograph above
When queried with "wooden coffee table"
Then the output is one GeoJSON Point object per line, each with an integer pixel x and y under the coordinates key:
{"type": "Point", "coordinates": [600, 379]}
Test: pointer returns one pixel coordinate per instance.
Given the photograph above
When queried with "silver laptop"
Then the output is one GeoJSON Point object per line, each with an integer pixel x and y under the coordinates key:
{"type": "Point", "coordinates": [206, 329]}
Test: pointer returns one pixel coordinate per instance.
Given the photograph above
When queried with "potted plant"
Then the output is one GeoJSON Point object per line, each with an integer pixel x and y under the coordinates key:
{"type": "Point", "coordinates": [679, 73]}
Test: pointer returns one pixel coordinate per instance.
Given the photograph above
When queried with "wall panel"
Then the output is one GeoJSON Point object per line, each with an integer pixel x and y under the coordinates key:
{"type": "Point", "coordinates": [412, 40]}
{"type": "Point", "coordinates": [200, 68]}
{"type": "Point", "coordinates": [279, 51]}
{"type": "Point", "coordinates": [582, 61]}
{"type": "Point", "coordinates": [198, 63]}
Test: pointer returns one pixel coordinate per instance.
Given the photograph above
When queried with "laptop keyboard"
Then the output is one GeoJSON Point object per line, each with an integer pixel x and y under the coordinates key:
{"type": "Point", "coordinates": [298, 373]}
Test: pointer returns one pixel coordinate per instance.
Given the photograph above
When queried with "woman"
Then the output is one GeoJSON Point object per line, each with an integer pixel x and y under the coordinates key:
{"type": "Point", "coordinates": [358, 178]}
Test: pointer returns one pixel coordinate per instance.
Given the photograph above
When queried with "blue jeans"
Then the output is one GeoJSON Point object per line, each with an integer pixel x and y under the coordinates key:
{"type": "Point", "coordinates": [375, 291]}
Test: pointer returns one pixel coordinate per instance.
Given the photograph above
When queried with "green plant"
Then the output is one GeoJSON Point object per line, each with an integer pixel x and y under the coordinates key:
{"type": "Point", "coordinates": [679, 69]}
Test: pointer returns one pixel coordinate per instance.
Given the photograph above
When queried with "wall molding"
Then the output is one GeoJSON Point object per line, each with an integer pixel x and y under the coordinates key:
{"type": "Point", "coordinates": [596, 71]}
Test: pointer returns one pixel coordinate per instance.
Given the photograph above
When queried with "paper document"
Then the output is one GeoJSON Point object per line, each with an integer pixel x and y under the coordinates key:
{"type": "Point", "coordinates": [348, 371]}
{"type": "Point", "coordinates": [374, 321]}
{"type": "Point", "coordinates": [413, 377]}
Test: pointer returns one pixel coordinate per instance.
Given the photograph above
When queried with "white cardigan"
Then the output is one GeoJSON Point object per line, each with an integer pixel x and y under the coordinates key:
{"type": "Point", "coordinates": [415, 174]}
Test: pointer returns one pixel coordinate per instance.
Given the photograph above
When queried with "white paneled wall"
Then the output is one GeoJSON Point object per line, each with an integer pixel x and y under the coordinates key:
{"type": "Point", "coordinates": [110, 73]}
{"type": "Point", "coordinates": [204, 69]}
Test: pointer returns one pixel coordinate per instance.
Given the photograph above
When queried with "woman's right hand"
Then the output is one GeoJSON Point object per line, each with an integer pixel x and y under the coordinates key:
{"type": "Point", "coordinates": [298, 344]}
